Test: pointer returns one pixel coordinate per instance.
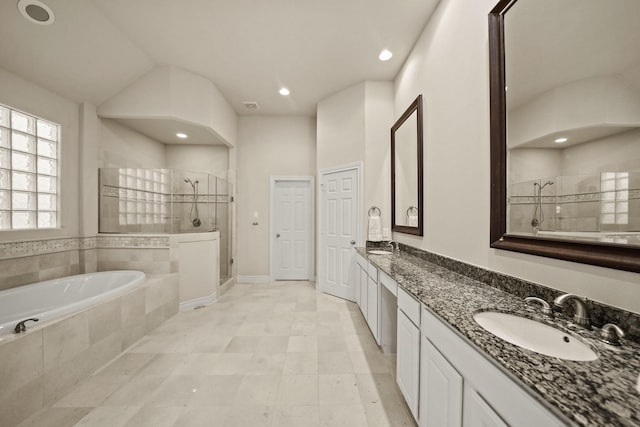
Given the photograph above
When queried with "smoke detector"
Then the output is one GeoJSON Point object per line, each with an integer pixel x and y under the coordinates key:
{"type": "Point", "coordinates": [36, 12]}
{"type": "Point", "coordinates": [250, 105]}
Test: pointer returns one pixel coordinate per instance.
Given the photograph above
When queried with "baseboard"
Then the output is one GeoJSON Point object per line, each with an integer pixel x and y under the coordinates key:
{"type": "Point", "coordinates": [253, 279]}
{"type": "Point", "coordinates": [198, 302]}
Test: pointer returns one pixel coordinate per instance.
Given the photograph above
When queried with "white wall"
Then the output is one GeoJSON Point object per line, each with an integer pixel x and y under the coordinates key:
{"type": "Point", "coordinates": [354, 126]}
{"type": "Point", "coordinates": [120, 147]}
{"type": "Point", "coordinates": [341, 127]}
{"type": "Point", "coordinates": [211, 159]}
{"type": "Point", "coordinates": [267, 146]}
{"type": "Point", "coordinates": [617, 153]}
{"type": "Point", "coordinates": [449, 66]}
{"type": "Point", "coordinates": [23, 95]}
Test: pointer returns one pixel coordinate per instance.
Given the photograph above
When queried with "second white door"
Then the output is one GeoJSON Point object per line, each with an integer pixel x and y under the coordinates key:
{"type": "Point", "coordinates": [292, 230]}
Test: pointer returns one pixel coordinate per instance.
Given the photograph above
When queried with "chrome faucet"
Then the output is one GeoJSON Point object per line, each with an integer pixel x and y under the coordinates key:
{"type": "Point", "coordinates": [582, 316]}
{"type": "Point", "coordinates": [394, 245]}
{"type": "Point", "coordinates": [21, 327]}
{"type": "Point", "coordinates": [545, 307]}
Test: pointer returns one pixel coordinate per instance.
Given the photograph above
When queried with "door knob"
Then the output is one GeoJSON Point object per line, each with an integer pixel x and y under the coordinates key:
{"type": "Point", "coordinates": [353, 242]}
{"type": "Point", "coordinates": [277, 235]}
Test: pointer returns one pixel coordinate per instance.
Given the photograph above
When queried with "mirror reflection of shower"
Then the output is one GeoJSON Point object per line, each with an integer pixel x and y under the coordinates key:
{"type": "Point", "coordinates": [195, 219]}
{"type": "Point", "coordinates": [538, 212]}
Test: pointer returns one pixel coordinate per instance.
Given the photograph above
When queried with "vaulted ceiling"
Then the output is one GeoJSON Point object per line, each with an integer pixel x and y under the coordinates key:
{"type": "Point", "coordinates": [247, 48]}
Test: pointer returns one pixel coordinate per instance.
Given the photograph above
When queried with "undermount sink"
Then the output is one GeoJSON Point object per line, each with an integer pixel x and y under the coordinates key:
{"type": "Point", "coordinates": [379, 252]}
{"type": "Point", "coordinates": [534, 336]}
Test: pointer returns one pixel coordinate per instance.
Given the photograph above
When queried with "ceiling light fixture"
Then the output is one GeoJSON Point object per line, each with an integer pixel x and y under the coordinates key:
{"type": "Point", "coordinates": [560, 140]}
{"type": "Point", "coordinates": [36, 12]}
{"type": "Point", "coordinates": [182, 135]}
{"type": "Point", "coordinates": [284, 91]}
{"type": "Point", "coordinates": [385, 55]}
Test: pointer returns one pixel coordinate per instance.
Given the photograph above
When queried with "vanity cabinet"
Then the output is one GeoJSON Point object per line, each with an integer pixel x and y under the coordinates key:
{"type": "Point", "coordinates": [440, 389]}
{"type": "Point", "coordinates": [474, 387]}
{"type": "Point", "coordinates": [366, 288]}
{"type": "Point", "coordinates": [408, 350]}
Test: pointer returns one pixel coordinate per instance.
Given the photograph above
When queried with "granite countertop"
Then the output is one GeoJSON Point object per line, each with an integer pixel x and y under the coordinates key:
{"type": "Point", "coordinates": [597, 393]}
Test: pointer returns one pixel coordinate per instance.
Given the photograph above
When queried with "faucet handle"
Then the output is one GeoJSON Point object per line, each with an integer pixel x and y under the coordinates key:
{"type": "Point", "coordinates": [611, 334]}
{"type": "Point", "coordinates": [546, 308]}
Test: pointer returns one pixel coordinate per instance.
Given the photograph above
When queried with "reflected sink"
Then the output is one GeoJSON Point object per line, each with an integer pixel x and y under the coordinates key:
{"type": "Point", "coordinates": [379, 252]}
{"type": "Point", "coordinates": [534, 336]}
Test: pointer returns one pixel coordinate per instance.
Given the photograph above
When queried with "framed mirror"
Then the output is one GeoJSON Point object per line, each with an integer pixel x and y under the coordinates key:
{"type": "Point", "coordinates": [406, 171]}
{"type": "Point", "coordinates": [565, 130]}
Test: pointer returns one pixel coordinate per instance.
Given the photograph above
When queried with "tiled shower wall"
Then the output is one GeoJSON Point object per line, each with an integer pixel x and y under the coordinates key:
{"type": "Point", "coordinates": [25, 262]}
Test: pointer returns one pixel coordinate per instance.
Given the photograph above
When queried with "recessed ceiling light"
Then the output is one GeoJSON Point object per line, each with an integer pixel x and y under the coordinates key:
{"type": "Point", "coordinates": [182, 135]}
{"type": "Point", "coordinates": [385, 55]}
{"type": "Point", "coordinates": [560, 140]}
{"type": "Point", "coordinates": [284, 91]}
{"type": "Point", "coordinates": [36, 12]}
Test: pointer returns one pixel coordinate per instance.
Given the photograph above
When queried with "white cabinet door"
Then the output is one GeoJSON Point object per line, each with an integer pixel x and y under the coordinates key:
{"type": "Point", "coordinates": [364, 280]}
{"type": "Point", "coordinates": [356, 269]}
{"type": "Point", "coordinates": [477, 413]}
{"type": "Point", "coordinates": [408, 361]}
{"type": "Point", "coordinates": [440, 389]}
{"type": "Point", "coordinates": [372, 307]}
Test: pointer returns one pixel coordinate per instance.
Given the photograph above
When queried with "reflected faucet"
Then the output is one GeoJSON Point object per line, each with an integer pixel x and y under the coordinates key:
{"type": "Point", "coordinates": [582, 316]}
{"type": "Point", "coordinates": [395, 247]}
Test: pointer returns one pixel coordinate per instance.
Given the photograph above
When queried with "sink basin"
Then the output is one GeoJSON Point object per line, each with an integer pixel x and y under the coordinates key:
{"type": "Point", "coordinates": [379, 252]}
{"type": "Point", "coordinates": [534, 336]}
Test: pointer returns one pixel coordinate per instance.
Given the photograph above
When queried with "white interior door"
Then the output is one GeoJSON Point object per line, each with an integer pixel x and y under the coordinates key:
{"type": "Point", "coordinates": [292, 229]}
{"type": "Point", "coordinates": [339, 231]}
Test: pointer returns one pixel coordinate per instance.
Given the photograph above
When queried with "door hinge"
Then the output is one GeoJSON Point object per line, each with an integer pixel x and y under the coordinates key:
{"type": "Point", "coordinates": [232, 199]}
{"type": "Point", "coordinates": [231, 261]}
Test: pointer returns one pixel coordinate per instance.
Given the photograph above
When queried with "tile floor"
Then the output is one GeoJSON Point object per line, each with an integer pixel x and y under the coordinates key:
{"type": "Point", "coordinates": [277, 354]}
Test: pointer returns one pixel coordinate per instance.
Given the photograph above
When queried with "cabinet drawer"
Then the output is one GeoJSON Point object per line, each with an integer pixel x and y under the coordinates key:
{"type": "Point", "coordinates": [388, 283]}
{"type": "Point", "coordinates": [361, 261]}
{"type": "Point", "coordinates": [409, 305]}
{"type": "Point", "coordinates": [373, 272]}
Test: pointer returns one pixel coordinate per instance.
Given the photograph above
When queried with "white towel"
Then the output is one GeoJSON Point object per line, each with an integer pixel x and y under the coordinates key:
{"type": "Point", "coordinates": [412, 221]}
{"type": "Point", "coordinates": [375, 229]}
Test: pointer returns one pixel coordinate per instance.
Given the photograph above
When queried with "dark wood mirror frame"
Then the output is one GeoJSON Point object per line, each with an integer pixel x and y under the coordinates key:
{"type": "Point", "coordinates": [609, 255]}
{"type": "Point", "coordinates": [416, 106]}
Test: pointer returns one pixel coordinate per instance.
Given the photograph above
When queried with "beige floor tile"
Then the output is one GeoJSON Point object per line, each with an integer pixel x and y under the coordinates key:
{"type": "Point", "coordinates": [136, 392]}
{"type": "Point", "coordinates": [203, 416]}
{"type": "Point", "coordinates": [378, 388]}
{"type": "Point", "coordinates": [266, 364]}
{"type": "Point", "coordinates": [273, 344]}
{"type": "Point", "coordinates": [217, 390]}
{"type": "Point", "coordinates": [197, 364]}
{"type": "Point", "coordinates": [241, 344]}
{"type": "Point", "coordinates": [258, 390]}
{"type": "Point", "coordinates": [328, 317]}
{"type": "Point", "coordinates": [108, 416]}
{"type": "Point", "coordinates": [388, 414]}
{"type": "Point", "coordinates": [331, 344]}
{"type": "Point", "coordinates": [209, 343]}
{"type": "Point", "coordinates": [301, 363]}
{"type": "Point", "coordinates": [148, 416]}
{"type": "Point", "coordinates": [298, 390]}
{"type": "Point", "coordinates": [338, 390]}
{"type": "Point", "coordinates": [296, 416]}
{"type": "Point", "coordinates": [176, 390]}
{"type": "Point", "coordinates": [92, 391]}
{"type": "Point", "coordinates": [302, 343]}
{"type": "Point", "coordinates": [251, 329]}
{"type": "Point", "coordinates": [370, 362]}
{"type": "Point", "coordinates": [54, 417]}
{"type": "Point", "coordinates": [230, 364]}
{"type": "Point", "coordinates": [127, 364]}
{"type": "Point", "coordinates": [250, 415]}
{"type": "Point", "coordinates": [342, 416]}
{"type": "Point", "coordinates": [334, 363]}
{"type": "Point", "coordinates": [360, 342]}
{"type": "Point", "coordinates": [162, 364]}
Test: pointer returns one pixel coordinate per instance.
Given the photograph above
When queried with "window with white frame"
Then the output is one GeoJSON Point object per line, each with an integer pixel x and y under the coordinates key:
{"type": "Point", "coordinates": [29, 151]}
{"type": "Point", "coordinates": [614, 207]}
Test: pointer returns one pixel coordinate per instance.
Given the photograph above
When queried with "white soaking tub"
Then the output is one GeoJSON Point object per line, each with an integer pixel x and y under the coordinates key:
{"type": "Point", "coordinates": [59, 297]}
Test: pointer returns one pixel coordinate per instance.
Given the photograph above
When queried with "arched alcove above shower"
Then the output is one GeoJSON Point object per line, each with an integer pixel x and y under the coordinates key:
{"type": "Point", "coordinates": [169, 100]}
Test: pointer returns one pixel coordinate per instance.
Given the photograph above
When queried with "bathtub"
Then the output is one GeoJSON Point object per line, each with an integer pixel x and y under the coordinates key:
{"type": "Point", "coordinates": [59, 297]}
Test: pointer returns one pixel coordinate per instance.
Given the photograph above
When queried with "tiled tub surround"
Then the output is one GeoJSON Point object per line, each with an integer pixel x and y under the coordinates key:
{"type": "Point", "coordinates": [42, 365]}
{"type": "Point", "coordinates": [598, 393]}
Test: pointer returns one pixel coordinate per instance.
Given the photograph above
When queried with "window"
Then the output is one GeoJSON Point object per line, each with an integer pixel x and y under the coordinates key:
{"type": "Point", "coordinates": [614, 207]}
{"type": "Point", "coordinates": [28, 171]}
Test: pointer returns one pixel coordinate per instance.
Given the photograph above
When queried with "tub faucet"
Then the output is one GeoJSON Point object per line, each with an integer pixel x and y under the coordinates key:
{"type": "Point", "coordinates": [582, 317]}
{"type": "Point", "coordinates": [20, 327]}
